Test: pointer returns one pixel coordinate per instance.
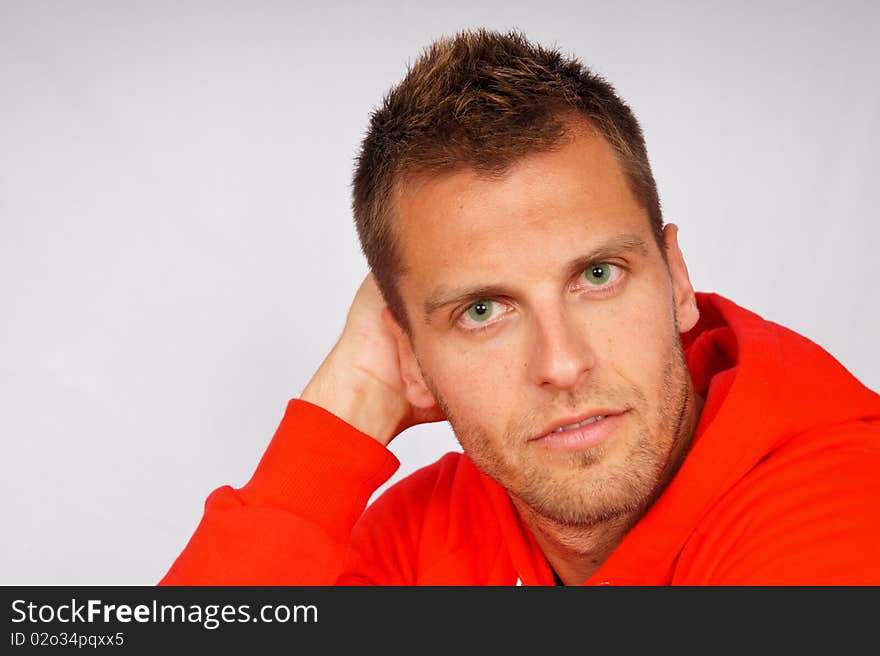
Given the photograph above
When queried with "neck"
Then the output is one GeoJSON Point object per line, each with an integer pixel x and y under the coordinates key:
{"type": "Point", "coordinates": [576, 552]}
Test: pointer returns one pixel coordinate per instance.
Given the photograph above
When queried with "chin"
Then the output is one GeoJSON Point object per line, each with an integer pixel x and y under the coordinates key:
{"type": "Point", "coordinates": [589, 488]}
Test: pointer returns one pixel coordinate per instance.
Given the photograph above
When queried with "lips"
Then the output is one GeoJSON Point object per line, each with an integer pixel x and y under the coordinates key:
{"type": "Point", "coordinates": [590, 420]}
{"type": "Point", "coordinates": [571, 423]}
{"type": "Point", "coordinates": [579, 433]}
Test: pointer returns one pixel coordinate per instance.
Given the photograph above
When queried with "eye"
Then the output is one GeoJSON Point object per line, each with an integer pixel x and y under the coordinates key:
{"type": "Point", "coordinates": [601, 273]}
{"type": "Point", "coordinates": [481, 311]}
{"type": "Point", "coordinates": [481, 314]}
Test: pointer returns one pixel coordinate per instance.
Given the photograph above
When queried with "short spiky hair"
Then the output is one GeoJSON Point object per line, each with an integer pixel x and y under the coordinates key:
{"type": "Point", "coordinates": [481, 100]}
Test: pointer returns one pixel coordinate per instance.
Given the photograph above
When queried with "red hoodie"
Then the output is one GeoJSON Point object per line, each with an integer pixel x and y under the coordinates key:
{"type": "Point", "coordinates": [781, 486]}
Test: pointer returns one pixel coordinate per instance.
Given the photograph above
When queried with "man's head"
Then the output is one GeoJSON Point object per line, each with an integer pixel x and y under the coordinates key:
{"type": "Point", "coordinates": [481, 100]}
{"type": "Point", "coordinates": [536, 286]}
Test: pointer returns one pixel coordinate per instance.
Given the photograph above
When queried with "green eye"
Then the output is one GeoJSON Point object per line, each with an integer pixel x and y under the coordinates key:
{"type": "Point", "coordinates": [481, 311]}
{"type": "Point", "coordinates": [599, 274]}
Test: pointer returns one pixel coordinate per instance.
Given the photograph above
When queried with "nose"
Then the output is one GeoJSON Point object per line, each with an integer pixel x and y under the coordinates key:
{"type": "Point", "coordinates": [561, 352]}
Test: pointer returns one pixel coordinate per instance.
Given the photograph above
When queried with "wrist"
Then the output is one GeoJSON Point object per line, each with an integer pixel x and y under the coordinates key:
{"type": "Point", "coordinates": [366, 404]}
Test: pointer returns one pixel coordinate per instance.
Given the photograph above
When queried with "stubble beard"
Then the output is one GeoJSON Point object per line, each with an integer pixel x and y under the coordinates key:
{"type": "Point", "coordinates": [583, 488]}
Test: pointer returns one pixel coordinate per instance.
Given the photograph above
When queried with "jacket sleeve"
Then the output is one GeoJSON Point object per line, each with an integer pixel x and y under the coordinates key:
{"type": "Point", "coordinates": [291, 523]}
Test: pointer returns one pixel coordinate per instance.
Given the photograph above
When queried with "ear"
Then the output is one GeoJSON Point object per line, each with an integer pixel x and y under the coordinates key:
{"type": "Point", "coordinates": [686, 312]}
{"type": "Point", "coordinates": [417, 392]}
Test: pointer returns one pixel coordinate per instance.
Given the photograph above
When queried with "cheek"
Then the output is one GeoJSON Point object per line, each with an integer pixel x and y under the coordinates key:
{"type": "Point", "coordinates": [640, 345]}
{"type": "Point", "coordinates": [478, 383]}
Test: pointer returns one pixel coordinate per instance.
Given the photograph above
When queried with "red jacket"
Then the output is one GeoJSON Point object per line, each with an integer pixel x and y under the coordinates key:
{"type": "Point", "coordinates": [781, 486]}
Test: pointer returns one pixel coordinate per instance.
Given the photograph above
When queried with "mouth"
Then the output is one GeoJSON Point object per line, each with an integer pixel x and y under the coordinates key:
{"type": "Point", "coordinates": [583, 432]}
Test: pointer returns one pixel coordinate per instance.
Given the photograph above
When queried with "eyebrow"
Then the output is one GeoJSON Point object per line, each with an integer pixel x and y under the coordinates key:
{"type": "Point", "coordinates": [441, 296]}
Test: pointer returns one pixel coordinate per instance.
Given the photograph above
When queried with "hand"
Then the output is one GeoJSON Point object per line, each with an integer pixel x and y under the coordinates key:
{"type": "Point", "coordinates": [360, 380]}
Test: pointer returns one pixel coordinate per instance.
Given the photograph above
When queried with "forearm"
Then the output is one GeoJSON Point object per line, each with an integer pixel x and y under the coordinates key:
{"type": "Point", "coordinates": [356, 398]}
{"type": "Point", "coordinates": [291, 522]}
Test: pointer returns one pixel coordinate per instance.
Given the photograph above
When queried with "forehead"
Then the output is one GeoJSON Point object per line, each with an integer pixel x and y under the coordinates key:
{"type": "Point", "coordinates": [463, 228]}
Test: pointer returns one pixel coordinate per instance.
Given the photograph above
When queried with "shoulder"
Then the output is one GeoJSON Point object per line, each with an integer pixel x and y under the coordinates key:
{"type": "Point", "coordinates": [808, 512]}
{"type": "Point", "coordinates": [422, 529]}
{"type": "Point", "coordinates": [450, 483]}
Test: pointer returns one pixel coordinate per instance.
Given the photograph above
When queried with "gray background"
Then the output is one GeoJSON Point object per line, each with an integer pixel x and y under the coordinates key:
{"type": "Point", "coordinates": [177, 253]}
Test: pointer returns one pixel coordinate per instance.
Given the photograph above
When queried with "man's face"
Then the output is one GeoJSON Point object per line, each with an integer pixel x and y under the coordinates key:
{"type": "Point", "coordinates": [541, 299]}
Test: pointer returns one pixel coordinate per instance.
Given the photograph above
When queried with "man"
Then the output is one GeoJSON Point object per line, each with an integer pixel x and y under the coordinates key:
{"type": "Point", "coordinates": [617, 427]}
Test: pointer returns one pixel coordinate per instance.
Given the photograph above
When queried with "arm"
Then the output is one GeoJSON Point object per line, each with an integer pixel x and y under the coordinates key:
{"type": "Point", "coordinates": [291, 523]}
